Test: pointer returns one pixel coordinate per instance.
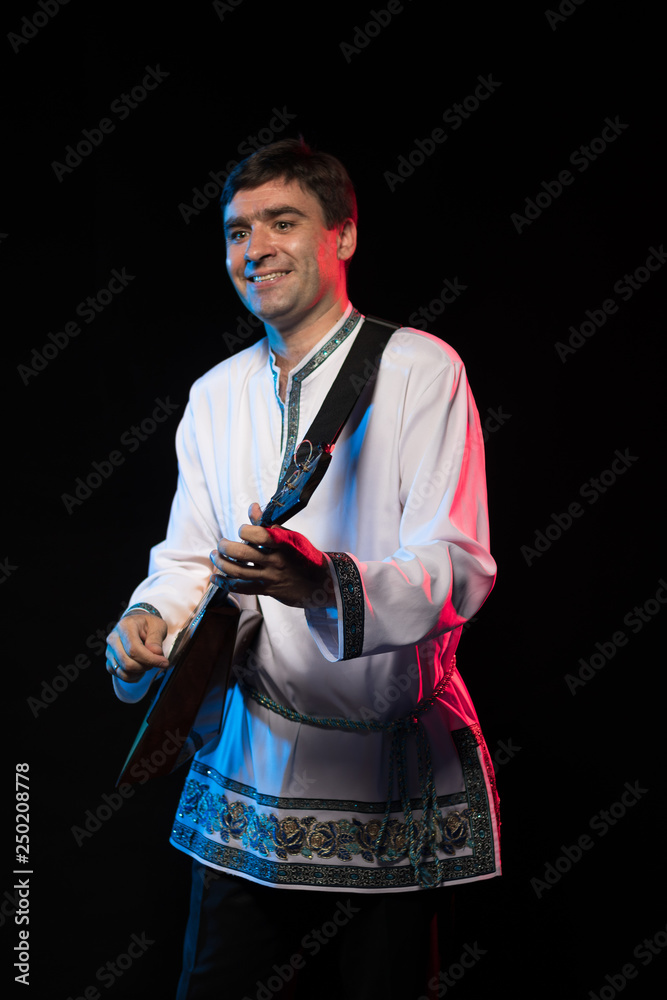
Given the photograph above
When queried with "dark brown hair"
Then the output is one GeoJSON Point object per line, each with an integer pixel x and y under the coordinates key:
{"type": "Point", "coordinates": [292, 160]}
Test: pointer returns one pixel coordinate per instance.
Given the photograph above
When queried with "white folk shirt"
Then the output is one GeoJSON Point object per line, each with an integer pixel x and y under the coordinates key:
{"type": "Point", "coordinates": [402, 515]}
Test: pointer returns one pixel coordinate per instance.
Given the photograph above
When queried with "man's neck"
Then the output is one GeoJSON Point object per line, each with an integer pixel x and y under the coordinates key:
{"type": "Point", "coordinates": [290, 346]}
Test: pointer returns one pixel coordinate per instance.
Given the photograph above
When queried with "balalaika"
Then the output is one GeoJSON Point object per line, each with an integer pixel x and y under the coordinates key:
{"type": "Point", "coordinates": [202, 657]}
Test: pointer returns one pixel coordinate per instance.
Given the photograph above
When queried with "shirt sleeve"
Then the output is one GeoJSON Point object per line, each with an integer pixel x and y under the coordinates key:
{"type": "Point", "coordinates": [441, 570]}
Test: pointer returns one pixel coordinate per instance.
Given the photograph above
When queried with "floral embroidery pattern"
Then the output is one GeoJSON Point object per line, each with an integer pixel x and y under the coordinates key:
{"type": "Point", "coordinates": [468, 823]}
{"type": "Point", "coordinates": [265, 833]}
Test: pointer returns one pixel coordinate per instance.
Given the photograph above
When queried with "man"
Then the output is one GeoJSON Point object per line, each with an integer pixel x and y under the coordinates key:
{"type": "Point", "coordinates": [324, 845]}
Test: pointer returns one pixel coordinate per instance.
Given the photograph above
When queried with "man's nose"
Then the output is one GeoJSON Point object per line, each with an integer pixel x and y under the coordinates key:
{"type": "Point", "coordinates": [259, 245]}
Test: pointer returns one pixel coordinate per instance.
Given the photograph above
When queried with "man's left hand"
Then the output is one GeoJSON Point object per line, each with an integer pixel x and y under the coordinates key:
{"type": "Point", "coordinates": [274, 562]}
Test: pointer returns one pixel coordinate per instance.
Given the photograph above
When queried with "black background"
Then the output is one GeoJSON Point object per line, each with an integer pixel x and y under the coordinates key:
{"type": "Point", "coordinates": [67, 572]}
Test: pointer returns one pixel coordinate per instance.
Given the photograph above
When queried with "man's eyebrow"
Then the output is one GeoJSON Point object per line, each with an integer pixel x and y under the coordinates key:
{"type": "Point", "coordinates": [239, 222]}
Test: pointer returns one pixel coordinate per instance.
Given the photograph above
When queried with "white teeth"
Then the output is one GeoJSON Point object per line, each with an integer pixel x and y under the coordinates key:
{"type": "Point", "coordinates": [267, 277]}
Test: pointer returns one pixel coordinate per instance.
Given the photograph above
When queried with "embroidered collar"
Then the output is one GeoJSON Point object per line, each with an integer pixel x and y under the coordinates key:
{"type": "Point", "coordinates": [293, 408]}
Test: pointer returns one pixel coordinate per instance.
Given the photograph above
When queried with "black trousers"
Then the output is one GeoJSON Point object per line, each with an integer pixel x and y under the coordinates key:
{"type": "Point", "coordinates": [249, 942]}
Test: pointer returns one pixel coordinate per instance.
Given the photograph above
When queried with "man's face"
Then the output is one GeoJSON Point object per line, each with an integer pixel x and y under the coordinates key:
{"type": "Point", "coordinates": [285, 264]}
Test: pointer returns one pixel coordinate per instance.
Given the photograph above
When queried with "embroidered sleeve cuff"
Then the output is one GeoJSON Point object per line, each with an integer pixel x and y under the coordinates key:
{"type": "Point", "coordinates": [141, 609]}
{"type": "Point", "coordinates": [339, 632]}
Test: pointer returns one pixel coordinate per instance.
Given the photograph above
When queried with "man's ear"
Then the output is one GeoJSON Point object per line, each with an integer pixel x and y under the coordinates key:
{"type": "Point", "coordinates": [347, 240]}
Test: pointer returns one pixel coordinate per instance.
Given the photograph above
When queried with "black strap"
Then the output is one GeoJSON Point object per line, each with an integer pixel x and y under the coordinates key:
{"type": "Point", "coordinates": [359, 369]}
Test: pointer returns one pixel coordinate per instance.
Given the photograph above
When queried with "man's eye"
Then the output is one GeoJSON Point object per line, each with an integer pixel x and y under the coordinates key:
{"type": "Point", "coordinates": [237, 235]}
{"type": "Point", "coordinates": [283, 226]}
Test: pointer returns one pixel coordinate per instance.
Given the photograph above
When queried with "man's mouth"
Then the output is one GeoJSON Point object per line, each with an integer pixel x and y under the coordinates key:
{"type": "Point", "coordinates": [258, 279]}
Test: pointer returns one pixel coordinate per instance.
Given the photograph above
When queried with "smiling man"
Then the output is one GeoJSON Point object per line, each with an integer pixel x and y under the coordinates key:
{"type": "Point", "coordinates": [350, 787]}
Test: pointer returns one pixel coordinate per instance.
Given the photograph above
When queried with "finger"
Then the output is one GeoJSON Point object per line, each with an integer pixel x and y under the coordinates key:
{"type": "Point", "coordinates": [155, 647]}
{"type": "Point", "coordinates": [233, 584]}
{"type": "Point", "coordinates": [220, 580]}
{"type": "Point", "coordinates": [237, 586]}
{"type": "Point", "coordinates": [253, 534]}
{"type": "Point", "coordinates": [132, 656]}
{"type": "Point", "coordinates": [236, 554]}
{"type": "Point", "coordinates": [228, 570]}
{"type": "Point", "coordinates": [124, 672]}
{"type": "Point", "coordinates": [113, 666]}
{"type": "Point", "coordinates": [255, 513]}
{"type": "Point", "coordinates": [153, 637]}
{"type": "Point", "coordinates": [223, 567]}
{"type": "Point", "coordinates": [135, 653]}
{"type": "Point", "coordinates": [233, 551]}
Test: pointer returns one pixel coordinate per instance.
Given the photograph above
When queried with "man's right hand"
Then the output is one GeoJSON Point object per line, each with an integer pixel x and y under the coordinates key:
{"type": "Point", "coordinates": [135, 646]}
